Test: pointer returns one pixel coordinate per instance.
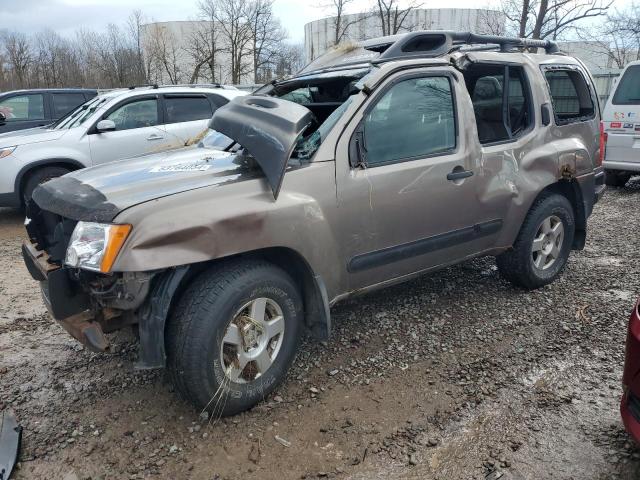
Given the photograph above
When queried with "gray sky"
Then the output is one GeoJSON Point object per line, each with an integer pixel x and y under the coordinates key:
{"type": "Point", "coordinates": [65, 16]}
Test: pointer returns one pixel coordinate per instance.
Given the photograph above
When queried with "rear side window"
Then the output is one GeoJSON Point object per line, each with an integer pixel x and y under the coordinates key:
{"type": "Point", "coordinates": [628, 91]}
{"type": "Point", "coordinates": [23, 107]}
{"type": "Point", "coordinates": [414, 118]}
{"type": "Point", "coordinates": [500, 98]}
{"type": "Point", "coordinates": [570, 95]}
{"type": "Point", "coordinates": [63, 103]}
{"type": "Point", "coordinates": [187, 109]}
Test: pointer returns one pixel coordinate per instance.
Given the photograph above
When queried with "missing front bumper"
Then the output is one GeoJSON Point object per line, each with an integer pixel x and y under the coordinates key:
{"type": "Point", "coordinates": [67, 303]}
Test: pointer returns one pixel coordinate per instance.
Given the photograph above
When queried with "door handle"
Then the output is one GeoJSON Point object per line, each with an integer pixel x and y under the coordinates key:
{"type": "Point", "coordinates": [459, 174]}
{"type": "Point", "coordinates": [155, 137]}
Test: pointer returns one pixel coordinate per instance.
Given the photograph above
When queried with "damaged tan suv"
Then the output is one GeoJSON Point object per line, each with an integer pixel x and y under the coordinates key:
{"type": "Point", "coordinates": [377, 163]}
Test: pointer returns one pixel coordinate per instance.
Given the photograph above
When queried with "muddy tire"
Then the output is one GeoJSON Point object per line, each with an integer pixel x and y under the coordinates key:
{"type": "Point", "coordinates": [38, 177]}
{"type": "Point", "coordinates": [616, 179]}
{"type": "Point", "coordinates": [543, 245]}
{"type": "Point", "coordinates": [233, 335]}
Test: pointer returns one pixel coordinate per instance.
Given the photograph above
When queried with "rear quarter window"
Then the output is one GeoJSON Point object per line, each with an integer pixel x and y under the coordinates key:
{"type": "Point", "coordinates": [628, 91]}
{"type": "Point", "coordinates": [570, 95]}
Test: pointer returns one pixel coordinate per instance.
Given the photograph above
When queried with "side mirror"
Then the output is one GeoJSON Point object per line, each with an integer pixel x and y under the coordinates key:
{"type": "Point", "coordinates": [106, 126]}
{"type": "Point", "coordinates": [545, 112]}
{"type": "Point", "coordinates": [3, 118]}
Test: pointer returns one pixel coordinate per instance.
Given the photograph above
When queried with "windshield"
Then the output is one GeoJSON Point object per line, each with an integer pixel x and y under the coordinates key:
{"type": "Point", "coordinates": [628, 91]}
{"type": "Point", "coordinates": [78, 116]}
{"type": "Point", "coordinates": [306, 147]}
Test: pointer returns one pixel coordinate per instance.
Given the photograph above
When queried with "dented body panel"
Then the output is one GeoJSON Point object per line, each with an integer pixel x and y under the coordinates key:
{"type": "Point", "coordinates": [350, 228]}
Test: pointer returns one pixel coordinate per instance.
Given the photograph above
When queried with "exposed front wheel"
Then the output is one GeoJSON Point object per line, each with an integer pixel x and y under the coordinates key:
{"type": "Point", "coordinates": [543, 245]}
{"type": "Point", "coordinates": [233, 336]}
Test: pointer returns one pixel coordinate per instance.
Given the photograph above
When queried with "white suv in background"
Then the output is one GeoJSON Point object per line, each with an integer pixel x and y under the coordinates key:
{"type": "Point", "coordinates": [112, 126]}
{"type": "Point", "coordinates": [621, 125]}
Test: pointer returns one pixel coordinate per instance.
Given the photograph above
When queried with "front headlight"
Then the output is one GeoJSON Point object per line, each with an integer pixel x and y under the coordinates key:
{"type": "Point", "coordinates": [94, 246]}
{"type": "Point", "coordinates": [6, 151]}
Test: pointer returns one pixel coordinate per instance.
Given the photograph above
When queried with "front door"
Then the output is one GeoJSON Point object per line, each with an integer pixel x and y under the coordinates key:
{"type": "Point", "coordinates": [138, 131]}
{"type": "Point", "coordinates": [411, 196]}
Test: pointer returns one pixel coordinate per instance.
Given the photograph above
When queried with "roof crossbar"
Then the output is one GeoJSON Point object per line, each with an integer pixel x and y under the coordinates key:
{"type": "Point", "coordinates": [434, 43]}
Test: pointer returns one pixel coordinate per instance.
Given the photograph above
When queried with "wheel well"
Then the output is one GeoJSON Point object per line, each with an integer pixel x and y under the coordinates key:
{"type": "Point", "coordinates": [27, 172]}
{"type": "Point", "coordinates": [571, 191]}
{"type": "Point", "coordinates": [316, 303]}
{"type": "Point", "coordinates": [314, 295]}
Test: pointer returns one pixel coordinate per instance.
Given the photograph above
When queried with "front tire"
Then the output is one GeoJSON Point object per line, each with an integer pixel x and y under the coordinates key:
{"type": "Point", "coordinates": [39, 177]}
{"type": "Point", "coordinates": [543, 245]}
{"type": "Point", "coordinates": [233, 336]}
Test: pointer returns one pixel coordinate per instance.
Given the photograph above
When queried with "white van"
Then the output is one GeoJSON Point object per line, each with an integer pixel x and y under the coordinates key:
{"type": "Point", "coordinates": [621, 127]}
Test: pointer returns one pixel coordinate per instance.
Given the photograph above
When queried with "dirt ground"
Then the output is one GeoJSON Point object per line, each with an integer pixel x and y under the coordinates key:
{"type": "Point", "coordinates": [454, 376]}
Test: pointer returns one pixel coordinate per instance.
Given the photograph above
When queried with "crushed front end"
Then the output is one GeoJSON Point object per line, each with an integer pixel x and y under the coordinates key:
{"type": "Point", "coordinates": [86, 303]}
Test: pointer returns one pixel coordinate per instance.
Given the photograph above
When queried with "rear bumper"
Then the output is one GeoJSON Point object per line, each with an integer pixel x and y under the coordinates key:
{"type": "Point", "coordinates": [622, 166]}
{"type": "Point", "coordinates": [630, 404]}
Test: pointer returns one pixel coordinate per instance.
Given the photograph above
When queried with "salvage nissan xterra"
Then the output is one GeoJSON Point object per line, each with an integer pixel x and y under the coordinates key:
{"type": "Point", "coordinates": [377, 163]}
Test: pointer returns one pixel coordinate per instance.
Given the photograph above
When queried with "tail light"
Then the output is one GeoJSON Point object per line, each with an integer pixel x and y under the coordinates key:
{"type": "Point", "coordinates": [603, 144]}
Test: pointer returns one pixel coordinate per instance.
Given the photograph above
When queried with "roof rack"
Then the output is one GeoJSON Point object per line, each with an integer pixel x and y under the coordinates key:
{"type": "Point", "coordinates": [434, 43]}
{"type": "Point", "coordinates": [151, 85]}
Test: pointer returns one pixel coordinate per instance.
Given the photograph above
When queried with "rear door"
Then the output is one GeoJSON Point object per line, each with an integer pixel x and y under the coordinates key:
{"type": "Point", "coordinates": [622, 119]}
{"type": "Point", "coordinates": [24, 110]}
{"type": "Point", "coordinates": [139, 130]}
{"type": "Point", "coordinates": [187, 116]}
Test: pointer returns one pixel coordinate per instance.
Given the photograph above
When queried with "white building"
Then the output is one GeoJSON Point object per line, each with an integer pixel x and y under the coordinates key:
{"type": "Point", "coordinates": [320, 34]}
{"type": "Point", "coordinates": [172, 50]}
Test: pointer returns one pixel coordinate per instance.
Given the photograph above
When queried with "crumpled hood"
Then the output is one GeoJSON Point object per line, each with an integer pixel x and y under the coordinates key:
{"type": "Point", "coordinates": [30, 135]}
{"type": "Point", "coordinates": [99, 193]}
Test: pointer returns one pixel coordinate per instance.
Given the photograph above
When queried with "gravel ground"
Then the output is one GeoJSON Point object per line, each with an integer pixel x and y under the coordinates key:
{"type": "Point", "coordinates": [454, 376]}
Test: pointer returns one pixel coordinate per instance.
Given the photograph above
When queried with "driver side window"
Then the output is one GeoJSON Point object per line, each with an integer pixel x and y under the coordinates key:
{"type": "Point", "coordinates": [413, 119]}
{"type": "Point", "coordinates": [136, 114]}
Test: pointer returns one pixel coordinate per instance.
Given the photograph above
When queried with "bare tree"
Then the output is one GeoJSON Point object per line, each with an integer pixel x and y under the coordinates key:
{"type": "Point", "coordinates": [204, 46]}
{"type": "Point", "coordinates": [134, 28]}
{"type": "Point", "coordinates": [232, 17]}
{"type": "Point", "coordinates": [618, 36]}
{"type": "Point", "coordinates": [164, 52]}
{"type": "Point", "coordinates": [341, 25]}
{"type": "Point", "coordinates": [553, 19]}
{"type": "Point", "coordinates": [19, 56]}
{"type": "Point", "coordinates": [490, 22]}
{"type": "Point", "coordinates": [289, 59]}
{"type": "Point", "coordinates": [267, 36]}
{"type": "Point", "coordinates": [393, 18]}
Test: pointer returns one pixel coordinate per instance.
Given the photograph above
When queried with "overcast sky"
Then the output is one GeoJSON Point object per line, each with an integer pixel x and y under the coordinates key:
{"type": "Point", "coordinates": [65, 16]}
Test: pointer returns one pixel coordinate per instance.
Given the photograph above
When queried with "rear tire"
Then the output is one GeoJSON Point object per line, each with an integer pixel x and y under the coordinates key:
{"type": "Point", "coordinates": [38, 177]}
{"type": "Point", "coordinates": [614, 178]}
{"type": "Point", "coordinates": [543, 245]}
{"type": "Point", "coordinates": [233, 335]}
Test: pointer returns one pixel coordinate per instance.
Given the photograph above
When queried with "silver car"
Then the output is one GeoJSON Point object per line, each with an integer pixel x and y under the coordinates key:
{"type": "Point", "coordinates": [115, 125]}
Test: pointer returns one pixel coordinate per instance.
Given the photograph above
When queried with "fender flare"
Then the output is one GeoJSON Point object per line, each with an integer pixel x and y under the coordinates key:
{"type": "Point", "coordinates": [153, 317]}
{"type": "Point", "coordinates": [155, 311]}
